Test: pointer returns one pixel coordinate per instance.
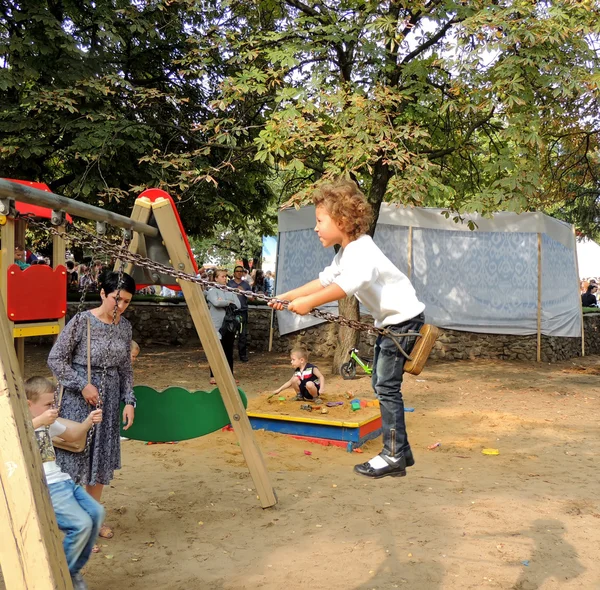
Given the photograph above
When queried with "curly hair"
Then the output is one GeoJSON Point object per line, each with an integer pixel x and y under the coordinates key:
{"type": "Point", "coordinates": [345, 204]}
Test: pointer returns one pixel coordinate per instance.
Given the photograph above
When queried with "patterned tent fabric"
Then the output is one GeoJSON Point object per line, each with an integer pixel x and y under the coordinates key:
{"type": "Point", "coordinates": [484, 280]}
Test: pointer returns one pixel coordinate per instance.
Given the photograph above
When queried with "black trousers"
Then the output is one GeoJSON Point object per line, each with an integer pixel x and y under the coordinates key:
{"type": "Point", "coordinates": [227, 342]}
{"type": "Point", "coordinates": [243, 335]}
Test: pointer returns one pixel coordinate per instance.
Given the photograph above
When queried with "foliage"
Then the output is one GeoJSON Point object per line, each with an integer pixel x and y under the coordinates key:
{"type": "Point", "coordinates": [101, 100]}
{"type": "Point", "coordinates": [471, 106]}
{"type": "Point", "coordinates": [226, 245]}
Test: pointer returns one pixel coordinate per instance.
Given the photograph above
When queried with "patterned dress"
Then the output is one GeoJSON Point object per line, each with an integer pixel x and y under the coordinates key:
{"type": "Point", "coordinates": [68, 362]}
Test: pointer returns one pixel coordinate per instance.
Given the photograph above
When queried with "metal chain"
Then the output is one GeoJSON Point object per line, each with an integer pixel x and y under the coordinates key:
{"type": "Point", "coordinates": [85, 238]}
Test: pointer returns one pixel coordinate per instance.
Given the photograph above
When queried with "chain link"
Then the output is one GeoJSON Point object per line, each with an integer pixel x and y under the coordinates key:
{"type": "Point", "coordinates": [84, 238]}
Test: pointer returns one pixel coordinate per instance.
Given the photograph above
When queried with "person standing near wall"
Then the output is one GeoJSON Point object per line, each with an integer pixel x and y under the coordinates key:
{"type": "Point", "coordinates": [238, 282]}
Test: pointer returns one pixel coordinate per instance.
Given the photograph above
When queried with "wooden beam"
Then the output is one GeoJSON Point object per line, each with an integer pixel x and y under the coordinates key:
{"type": "Point", "coordinates": [578, 291]}
{"type": "Point", "coordinates": [58, 257]}
{"type": "Point", "coordinates": [409, 249]}
{"type": "Point", "coordinates": [31, 551]}
{"type": "Point", "coordinates": [180, 259]}
{"type": "Point", "coordinates": [539, 298]}
{"type": "Point", "coordinates": [142, 209]}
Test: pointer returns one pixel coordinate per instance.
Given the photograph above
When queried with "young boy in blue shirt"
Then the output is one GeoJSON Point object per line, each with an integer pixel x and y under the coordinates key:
{"type": "Point", "coordinates": [361, 269]}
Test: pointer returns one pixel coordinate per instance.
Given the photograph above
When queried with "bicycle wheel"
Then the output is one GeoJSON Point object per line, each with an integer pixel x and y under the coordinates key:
{"type": "Point", "coordinates": [348, 370]}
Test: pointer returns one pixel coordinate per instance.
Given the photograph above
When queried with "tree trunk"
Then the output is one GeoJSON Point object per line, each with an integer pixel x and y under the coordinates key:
{"type": "Point", "coordinates": [347, 337]}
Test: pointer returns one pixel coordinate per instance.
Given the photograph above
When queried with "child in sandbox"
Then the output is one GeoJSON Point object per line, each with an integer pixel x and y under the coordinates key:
{"type": "Point", "coordinates": [308, 382]}
{"type": "Point", "coordinates": [361, 269]}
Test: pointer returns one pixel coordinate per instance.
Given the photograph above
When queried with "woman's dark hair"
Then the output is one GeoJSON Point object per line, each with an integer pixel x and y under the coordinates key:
{"type": "Point", "coordinates": [70, 265]}
{"type": "Point", "coordinates": [590, 287]}
{"type": "Point", "coordinates": [109, 281]}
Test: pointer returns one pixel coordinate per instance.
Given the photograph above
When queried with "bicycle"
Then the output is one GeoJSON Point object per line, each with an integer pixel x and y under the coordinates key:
{"type": "Point", "coordinates": [348, 370]}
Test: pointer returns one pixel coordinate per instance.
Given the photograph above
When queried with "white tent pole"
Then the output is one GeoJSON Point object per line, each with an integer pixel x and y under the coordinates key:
{"type": "Point", "coordinates": [271, 326]}
{"type": "Point", "coordinates": [409, 251]}
{"type": "Point", "coordinates": [578, 289]}
{"type": "Point", "coordinates": [539, 301]}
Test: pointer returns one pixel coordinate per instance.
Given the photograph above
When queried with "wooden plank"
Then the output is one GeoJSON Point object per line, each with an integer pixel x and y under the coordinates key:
{"type": "Point", "coordinates": [539, 299]}
{"type": "Point", "coordinates": [180, 259]}
{"type": "Point", "coordinates": [58, 257]}
{"type": "Point", "coordinates": [142, 209]}
{"type": "Point", "coordinates": [578, 290]}
{"type": "Point", "coordinates": [409, 252]}
{"type": "Point", "coordinates": [7, 257]}
{"type": "Point", "coordinates": [31, 551]}
{"type": "Point", "coordinates": [36, 329]}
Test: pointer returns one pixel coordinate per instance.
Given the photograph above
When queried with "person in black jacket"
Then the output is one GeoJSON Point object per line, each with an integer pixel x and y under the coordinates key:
{"type": "Point", "coordinates": [588, 299]}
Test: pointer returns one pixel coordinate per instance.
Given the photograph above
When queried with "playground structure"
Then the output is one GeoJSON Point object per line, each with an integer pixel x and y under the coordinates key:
{"type": "Point", "coordinates": [31, 552]}
{"type": "Point", "coordinates": [34, 299]}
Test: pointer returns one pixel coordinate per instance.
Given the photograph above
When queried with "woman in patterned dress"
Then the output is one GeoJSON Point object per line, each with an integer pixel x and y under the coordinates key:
{"type": "Point", "coordinates": [110, 350]}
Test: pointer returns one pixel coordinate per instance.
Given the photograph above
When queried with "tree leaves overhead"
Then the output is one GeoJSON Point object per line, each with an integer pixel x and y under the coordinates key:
{"type": "Point", "coordinates": [471, 106]}
{"type": "Point", "coordinates": [101, 100]}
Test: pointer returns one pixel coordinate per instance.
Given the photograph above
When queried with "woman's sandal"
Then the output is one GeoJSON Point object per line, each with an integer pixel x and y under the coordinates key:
{"type": "Point", "coordinates": [106, 532]}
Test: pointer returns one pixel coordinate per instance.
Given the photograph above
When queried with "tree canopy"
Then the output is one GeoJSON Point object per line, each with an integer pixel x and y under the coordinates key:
{"type": "Point", "coordinates": [471, 106]}
{"type": "Point", "coordinates": [103, 99]}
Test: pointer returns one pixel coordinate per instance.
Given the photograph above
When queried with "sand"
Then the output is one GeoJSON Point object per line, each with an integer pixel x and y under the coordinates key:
{"type": "Point", "coordinates": [186, 516]}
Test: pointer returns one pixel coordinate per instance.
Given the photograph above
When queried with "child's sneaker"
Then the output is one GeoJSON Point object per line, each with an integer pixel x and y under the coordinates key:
{"type": "Point", "coordinates": [317, 400]}
{"type": "Point", "coordinates": [298, 398]}
{"type": "Point", "coordinates": [78, 582]}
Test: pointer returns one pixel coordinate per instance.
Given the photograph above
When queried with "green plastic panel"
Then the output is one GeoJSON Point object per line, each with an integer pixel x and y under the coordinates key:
{"type": "Point", "coordinates": [177, 414]}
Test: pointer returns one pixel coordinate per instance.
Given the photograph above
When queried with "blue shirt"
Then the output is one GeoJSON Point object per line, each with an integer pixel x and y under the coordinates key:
{"type": "Point", "coordinates": [244, 286]}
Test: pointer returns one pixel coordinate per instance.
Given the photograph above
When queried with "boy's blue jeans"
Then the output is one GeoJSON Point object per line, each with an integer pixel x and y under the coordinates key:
{"type": "Point", "coordinates": [79, 517]}
{"type": "Point", "coordinates": [388, 368]}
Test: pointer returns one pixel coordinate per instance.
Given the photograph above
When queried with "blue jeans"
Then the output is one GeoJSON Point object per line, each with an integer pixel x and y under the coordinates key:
{"type": "Point", "coordinates": [79, 517]}
{"type": "Point", "coordinates": [388, 368]}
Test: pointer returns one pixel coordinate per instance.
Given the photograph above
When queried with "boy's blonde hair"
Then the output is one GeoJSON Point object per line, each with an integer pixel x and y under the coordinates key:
{"type": "Point", "coordinates": [301, 352]}
{"type": "Point", "coordinates": [37, 386]}
{"type": "Point", "coordinates": [346, 205]}
{"type": "Point", "coordinates": [219, 271]}
{"type": "Point", "coordinates": [135, 347]}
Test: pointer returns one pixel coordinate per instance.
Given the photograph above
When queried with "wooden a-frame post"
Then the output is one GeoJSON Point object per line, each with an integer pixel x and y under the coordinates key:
{"type": "Point", "coordinates": [173, 239]}
{"type": "Point", "coordinates": [31, 551]}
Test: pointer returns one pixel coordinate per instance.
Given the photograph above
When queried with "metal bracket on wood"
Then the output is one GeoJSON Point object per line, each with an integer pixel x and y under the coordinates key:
{"type": "Point", "coordinates": [58, 217]}
{"type": "Point", "coordinates": [5, 206]}
{"type": "Point", "coordinates": [127, 235]}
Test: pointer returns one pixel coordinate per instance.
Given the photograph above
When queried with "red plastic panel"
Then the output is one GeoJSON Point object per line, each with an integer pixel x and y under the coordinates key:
{"type": "Point", "coordinates": [36, 293]}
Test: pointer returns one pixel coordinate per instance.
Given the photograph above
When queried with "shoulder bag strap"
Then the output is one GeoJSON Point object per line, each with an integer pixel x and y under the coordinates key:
{"type": "Point", "coordinates": [89, 351]}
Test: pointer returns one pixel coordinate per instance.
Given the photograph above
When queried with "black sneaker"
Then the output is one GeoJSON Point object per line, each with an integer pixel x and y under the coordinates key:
{"type": "Point", "coordinates": [392, 469]}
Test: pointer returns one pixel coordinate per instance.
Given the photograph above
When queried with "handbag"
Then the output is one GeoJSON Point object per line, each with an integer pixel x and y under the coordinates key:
{"type": "Point", "coordinates": [79, 445]}
{"type": "Point", "coordinates": [231, 321]}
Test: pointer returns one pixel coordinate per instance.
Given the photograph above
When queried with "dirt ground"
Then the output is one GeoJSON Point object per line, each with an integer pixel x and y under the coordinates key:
{"type": "Point", "coordinates": [186, 516]}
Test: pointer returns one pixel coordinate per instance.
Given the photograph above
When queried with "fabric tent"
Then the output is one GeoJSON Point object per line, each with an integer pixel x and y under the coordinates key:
{"type": "Point", "coordinates": [485, 280]}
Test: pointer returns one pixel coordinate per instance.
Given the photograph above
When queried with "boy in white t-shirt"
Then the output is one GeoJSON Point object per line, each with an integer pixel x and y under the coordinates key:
{"type": "Point", "coordinates": [79, 516]}
{"type": "Point", "coordinates": [361, 269]}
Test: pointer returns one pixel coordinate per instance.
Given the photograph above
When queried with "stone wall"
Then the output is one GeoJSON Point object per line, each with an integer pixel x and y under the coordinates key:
{"type": "Point", "coordinates": [169, 323]}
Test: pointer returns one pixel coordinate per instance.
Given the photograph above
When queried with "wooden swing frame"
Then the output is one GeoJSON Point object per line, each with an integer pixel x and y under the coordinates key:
{"type": "Point", "coordinates": [31, 552]}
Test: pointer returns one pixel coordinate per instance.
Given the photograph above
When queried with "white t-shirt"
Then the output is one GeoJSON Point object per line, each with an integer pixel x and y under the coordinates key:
{"type": "Point", "coordinates": [363, 270]}
{"type": "Point", "coordinates": [44, 435]}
